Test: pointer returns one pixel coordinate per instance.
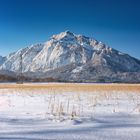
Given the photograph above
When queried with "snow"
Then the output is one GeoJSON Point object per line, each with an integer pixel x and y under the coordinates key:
{"type": "Point", "coordinates": [64, 35]}
{"type": "Point", "coordinates": [28, 55]}
{"type": "Point", "coordinates": [120, 53]}
{"type": "Point", "coordinates": [78, 69]}
{"type": "Point", "coordinates": [2, 60]}
{"type": "Point", "coordinates": [47, 113]}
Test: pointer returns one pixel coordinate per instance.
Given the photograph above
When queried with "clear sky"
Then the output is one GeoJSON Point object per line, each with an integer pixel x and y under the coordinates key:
{"type": "Point", "coordinates": [114, 22]}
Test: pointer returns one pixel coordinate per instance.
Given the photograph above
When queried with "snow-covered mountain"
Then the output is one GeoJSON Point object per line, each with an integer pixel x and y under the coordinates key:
{"type": "Point", "coordinates": [62, 50]}
{"type": "Point", "coordinates": [71, 57]}
{"type": "Point", "coordinates": [12, 62]}
{"type": "Point", "coordinates": [2, 60]}
{"type": "Point", "coordinates": [67, 48]}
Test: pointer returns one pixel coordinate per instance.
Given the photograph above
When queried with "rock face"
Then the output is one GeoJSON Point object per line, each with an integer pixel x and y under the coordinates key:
{"type": "Point", "coordinates": [74, 58]}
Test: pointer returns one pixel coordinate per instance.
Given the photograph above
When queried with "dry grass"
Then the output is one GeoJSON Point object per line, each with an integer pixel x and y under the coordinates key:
{"type": "Point", "coordinates": [62, 87]}
{"type": "Point", "coordinates": [74, 100]}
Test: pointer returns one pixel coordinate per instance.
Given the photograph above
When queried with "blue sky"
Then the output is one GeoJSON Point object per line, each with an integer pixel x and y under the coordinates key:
{"type": "Point", "coordinates": [26, 22]}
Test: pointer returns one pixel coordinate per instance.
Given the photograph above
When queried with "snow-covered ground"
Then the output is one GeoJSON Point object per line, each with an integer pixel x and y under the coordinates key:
{"type": "Point", "coordinates": [42, 114]}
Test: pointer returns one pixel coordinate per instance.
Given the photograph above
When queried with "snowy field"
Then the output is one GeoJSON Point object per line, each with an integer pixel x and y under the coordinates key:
{"type": "Point", "coordinates": [69, 113]}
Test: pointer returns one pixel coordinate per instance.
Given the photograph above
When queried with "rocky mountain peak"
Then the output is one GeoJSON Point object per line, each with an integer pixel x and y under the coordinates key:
{"type": "Point", "coordinates": [64, 35]}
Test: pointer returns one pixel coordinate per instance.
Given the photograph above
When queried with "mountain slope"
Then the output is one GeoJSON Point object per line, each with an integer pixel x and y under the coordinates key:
{"type": "Point", "coordinates": [2, 60]}
{"type": "Point", "coordinates": [68, 57]}
{"type": "Point", "coordinates": [13, 60]}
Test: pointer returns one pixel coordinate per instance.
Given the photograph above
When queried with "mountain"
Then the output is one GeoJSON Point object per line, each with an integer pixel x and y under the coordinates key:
{"type": "Point", "coordinates": [12, 62]}
{"type": "Point", "coordinates": [2, 60]}
{"type": "Point", "coordinates": [68, 57]}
